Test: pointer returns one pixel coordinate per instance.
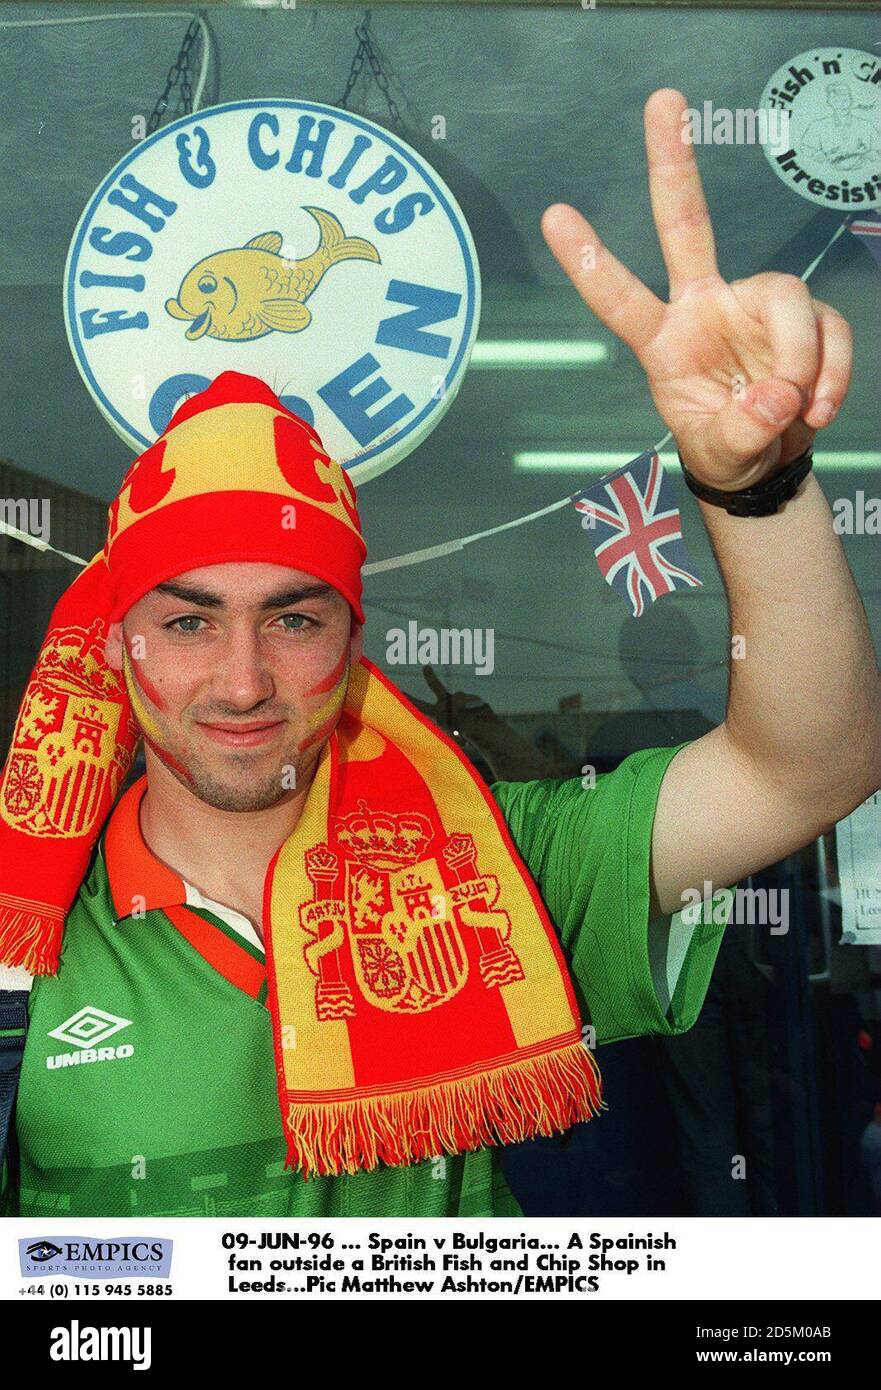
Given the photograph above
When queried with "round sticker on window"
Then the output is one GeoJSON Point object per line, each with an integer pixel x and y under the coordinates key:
{"type": "Point", "coordinates": [823, 127]}
{"type": "Point", "coordinates": [290, 240]}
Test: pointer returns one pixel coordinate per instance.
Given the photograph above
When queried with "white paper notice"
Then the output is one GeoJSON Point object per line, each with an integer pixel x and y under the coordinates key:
{"type": "Point", "coordinates": [858, 841]}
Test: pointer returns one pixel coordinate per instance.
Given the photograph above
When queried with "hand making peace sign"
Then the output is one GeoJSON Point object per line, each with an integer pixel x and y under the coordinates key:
{"type": "Point", "coordinates": [743, 374]}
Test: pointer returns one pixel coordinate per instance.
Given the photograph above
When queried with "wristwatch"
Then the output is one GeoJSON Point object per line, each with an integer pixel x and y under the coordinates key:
{"type": "Point", "coordinates": [762, 499]}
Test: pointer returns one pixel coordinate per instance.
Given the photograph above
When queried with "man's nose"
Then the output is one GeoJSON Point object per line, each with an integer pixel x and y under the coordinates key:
{"type": "Point", "coordinates": [243, 676]}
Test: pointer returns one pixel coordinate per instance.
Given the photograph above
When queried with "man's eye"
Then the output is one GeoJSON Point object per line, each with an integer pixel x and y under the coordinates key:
{"type": "Point", "coordinates": [295, 622]}
{"type": "Point", "coordinates": [186, 624]}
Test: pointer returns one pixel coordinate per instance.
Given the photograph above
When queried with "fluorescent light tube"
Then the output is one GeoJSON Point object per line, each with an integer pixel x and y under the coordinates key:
{"type": "Point", "coordinates": [599, 461]}
{"type": "Point", "coordinates": [536, 352]}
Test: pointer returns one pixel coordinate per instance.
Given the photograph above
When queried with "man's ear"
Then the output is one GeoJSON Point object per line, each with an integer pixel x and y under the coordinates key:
{"type": "Point", "coordinates": [356, 642]}
{"type": "Point", "coordinates": [113, 647]}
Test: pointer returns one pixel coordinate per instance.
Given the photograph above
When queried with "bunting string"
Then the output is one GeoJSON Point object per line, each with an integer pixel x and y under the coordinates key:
{"type": "Point", "coordinates": [436, 552]}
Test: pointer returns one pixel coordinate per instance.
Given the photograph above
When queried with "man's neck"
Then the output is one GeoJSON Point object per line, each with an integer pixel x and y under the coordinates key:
{"type": "Point", "coordinates": [225, 854]}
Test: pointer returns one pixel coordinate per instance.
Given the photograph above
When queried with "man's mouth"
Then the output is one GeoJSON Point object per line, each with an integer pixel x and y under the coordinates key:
{"type": "Point", "coordinates": [249, 735]}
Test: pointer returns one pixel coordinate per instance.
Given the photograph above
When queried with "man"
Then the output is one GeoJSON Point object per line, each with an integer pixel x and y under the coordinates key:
{"type": "Point", "coordinates": [430, 948]}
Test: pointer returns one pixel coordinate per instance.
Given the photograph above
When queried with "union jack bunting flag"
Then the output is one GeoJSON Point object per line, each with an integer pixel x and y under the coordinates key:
{"type": "Point", "coordinates": [636, 532]}
{"type": "Point", "coordinates": [868, 229]}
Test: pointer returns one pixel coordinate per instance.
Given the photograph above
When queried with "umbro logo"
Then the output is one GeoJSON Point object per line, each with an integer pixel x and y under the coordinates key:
{"type": "Point", "coordinates": [89, 1026]}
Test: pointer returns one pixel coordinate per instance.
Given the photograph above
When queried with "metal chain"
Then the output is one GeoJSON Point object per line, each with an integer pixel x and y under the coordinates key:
{"type": "Point", "coordinates": [181, 71]}
{"type": "Point", "coordinates": [366, 50]}
{"type": "Point", "coordinates": [357, 66]}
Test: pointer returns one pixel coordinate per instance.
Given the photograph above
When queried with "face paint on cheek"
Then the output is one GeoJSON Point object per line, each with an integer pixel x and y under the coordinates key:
{"type": "Point", "coordinates": [146, 685]}
{"type": "Point", "coordinates": [149, 728]}
{"type": "Point", "coordinates": [332, 679]}
{"type": "Point", "coordinates": [321, 723]}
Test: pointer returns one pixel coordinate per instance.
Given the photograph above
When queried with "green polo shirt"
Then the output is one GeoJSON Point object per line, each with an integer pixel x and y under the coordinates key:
{"type": "Point", "coordinates": [148, 1082]}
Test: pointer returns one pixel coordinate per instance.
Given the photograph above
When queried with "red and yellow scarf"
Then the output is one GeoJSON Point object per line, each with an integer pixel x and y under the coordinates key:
{"type": "Point", "coordinates": [419, 997]}
{"type": "Point", "coordinates": [420, 1002]}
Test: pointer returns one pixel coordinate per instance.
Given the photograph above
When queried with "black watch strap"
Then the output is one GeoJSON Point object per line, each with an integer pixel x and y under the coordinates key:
{"type": "Point", "coordinates": [764, 498]}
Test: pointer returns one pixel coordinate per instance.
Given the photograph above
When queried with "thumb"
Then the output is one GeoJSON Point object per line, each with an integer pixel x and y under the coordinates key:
{"type": "Point", "coordinates": [751, 422]}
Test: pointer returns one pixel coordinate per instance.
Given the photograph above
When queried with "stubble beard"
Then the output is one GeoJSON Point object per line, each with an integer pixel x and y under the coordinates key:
{"type": "Point", "coordinates": [244, 790]}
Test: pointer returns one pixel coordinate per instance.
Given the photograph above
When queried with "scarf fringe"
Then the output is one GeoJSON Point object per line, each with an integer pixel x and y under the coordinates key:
{"type": "Point", "coordinates": [30, 936]}
{"type": "Point", "coordinates": [538, 1096]}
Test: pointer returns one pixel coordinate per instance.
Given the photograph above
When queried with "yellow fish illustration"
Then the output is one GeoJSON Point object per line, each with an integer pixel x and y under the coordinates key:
{"type": "Point", "coordinates": [251, 290]}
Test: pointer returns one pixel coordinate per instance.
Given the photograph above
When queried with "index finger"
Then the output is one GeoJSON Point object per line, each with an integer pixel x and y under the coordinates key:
{"type": "Point", "coordinates": [619, 298]}
{"type": "Point", "coordinates": [679, 207]}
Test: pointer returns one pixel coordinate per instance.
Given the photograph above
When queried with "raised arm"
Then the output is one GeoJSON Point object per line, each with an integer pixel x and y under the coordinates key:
{"type": "Point", "coordinates": [743, 375]}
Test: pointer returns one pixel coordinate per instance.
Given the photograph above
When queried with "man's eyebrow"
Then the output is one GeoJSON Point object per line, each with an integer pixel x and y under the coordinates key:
{"type": "Point", "coordinates": [204, 598]}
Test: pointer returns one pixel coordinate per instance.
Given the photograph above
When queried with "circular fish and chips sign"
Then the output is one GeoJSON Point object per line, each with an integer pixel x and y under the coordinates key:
{"type": "Point", "coordinates": [823, 112]}
{"type": "Point", "coordinates": [290, 240]}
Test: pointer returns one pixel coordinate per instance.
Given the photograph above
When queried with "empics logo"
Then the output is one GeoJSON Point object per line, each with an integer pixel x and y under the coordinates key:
{"type": "Point", "coordinates": [95, 1257]}
{"type": "Point", "coordinates": [76, 1343]}
{"type": "Point", "coordinates": [89, 1025]}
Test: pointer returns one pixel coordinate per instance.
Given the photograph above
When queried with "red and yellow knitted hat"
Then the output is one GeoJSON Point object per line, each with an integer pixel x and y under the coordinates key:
{"type": "Point", "coordinates": [235, 477]}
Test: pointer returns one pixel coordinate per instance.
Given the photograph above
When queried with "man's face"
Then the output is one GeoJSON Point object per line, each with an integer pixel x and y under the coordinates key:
{"type": "Point", "coordinates": [237, 674]}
